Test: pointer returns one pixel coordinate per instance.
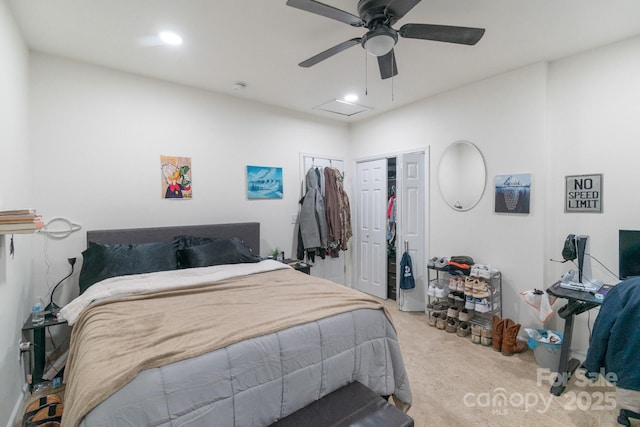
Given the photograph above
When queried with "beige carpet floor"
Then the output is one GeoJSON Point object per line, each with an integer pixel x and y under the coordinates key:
{"type": "Point", "coordinates": [455, 382]}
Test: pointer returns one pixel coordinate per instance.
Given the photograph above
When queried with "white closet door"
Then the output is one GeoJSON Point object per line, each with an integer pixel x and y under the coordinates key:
{"type": "Point", "coordinates": [412, 227]}
{"type": "Point", "coordinates": [370, 227]}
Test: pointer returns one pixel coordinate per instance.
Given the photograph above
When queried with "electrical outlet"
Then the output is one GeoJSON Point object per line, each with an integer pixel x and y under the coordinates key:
{"type": "Point", "coordinates": [294, 219]}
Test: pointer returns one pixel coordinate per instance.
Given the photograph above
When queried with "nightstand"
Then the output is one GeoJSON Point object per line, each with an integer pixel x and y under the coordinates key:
{"type": "Point", "coordinates": [39, 344]}
{"type": "Point", "coordinates": [298, 265]}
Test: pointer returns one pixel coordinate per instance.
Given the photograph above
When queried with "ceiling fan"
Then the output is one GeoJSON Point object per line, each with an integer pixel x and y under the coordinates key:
{"type": "Point", "coordinates": [378, 16]}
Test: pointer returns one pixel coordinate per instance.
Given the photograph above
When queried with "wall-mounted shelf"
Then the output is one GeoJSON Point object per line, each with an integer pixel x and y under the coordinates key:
{"type": "Point", "coordinates": [20, 221]}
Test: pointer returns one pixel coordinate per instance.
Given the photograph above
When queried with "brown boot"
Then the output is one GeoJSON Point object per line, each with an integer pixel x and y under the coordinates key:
{"type": "Point", "coordinates": [510, 343]}
{"type": "Point", "coordinates": [498, 325]}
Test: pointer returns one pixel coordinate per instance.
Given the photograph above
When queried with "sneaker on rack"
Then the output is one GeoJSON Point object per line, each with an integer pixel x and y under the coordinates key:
{"type": "Point", "coordinates": [452, 312]}
{"type": "Point", "coordinates": [476, 287]}
{"type": "Point", "coordinates": [481, 289]}
{"type": "Point", "coordinates": [484, 271]}
{"type": "Point", "coordinates": [474, 270]}
{"type": "Point", "coordinates": [486, 337]}
{"type": "Point", "coordinates": [468, 285]}
{"type": "Point", "coordinates": [441, 307]}
{"type": "Point", "coordinates": [487, 331]}
{"type": "Point", "coordinates": [465, 315]}
{"type": "Point", "coordinates": [433, 316]}
{"type": "Point", "coordinates": [481, 270]}
{"type": "Point", "coordinates": [452, 325]}
{"type": "Point", "coordinates": [458, 297]}
{"type": "Point", "coordinates": [463, 329]}
{"type": "Point", "coordinates": [483, 305]}
{"type": "Point", "coordinates": [441, 262]}
{"type": "Point", "coordinates": [441, 290]}
{"type": "Point", "coordinates": [476, 329]}
{"type": "Point", "coordinates": [460, 285]}
{"type": "Point", "coordinates": [441, 322]}
{"type": "Point", "coordinates": [469, 303]}
{"type": "Point", "coordinates": [451, 297]}
{"type": "Point", "coordinates": [431, 289]}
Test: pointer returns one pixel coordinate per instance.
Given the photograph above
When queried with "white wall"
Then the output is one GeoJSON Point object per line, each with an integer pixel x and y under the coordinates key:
{"type": "Point", "coordinates": [594, 127]}
{"type": "Point", "coordinates": [577, 116]}
{"type": "Point", "coordinates": [504, 117]}
{"type": "Point", "coordinates": [16, 192]}
{"type": "Point", "coordinates": [98, 136]}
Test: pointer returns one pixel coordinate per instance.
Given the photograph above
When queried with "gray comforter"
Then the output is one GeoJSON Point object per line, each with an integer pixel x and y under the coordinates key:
{"type": "Point", "coordinates": [223, 348]}
{"type": "Point", "coordinates": [258, 381]}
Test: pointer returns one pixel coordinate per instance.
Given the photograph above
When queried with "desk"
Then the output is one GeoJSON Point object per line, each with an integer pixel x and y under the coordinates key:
{"type": "Point", "coordinates": [39, 345]}
{"type": "Point", "coordinates": [577, 302]}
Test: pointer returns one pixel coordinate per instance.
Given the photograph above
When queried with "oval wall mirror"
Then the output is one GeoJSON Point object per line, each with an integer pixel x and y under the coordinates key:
{"type": "Point", "coordinates": [462, 175]}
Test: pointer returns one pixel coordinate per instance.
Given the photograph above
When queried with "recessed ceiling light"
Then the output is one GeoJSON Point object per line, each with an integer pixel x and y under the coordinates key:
{"type": "Point", "coordinates": [170, 38]}
{"type": "Point", "coordinates": [352, 97]}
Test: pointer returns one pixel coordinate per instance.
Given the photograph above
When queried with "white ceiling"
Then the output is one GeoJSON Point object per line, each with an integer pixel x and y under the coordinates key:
{"type": "Point", "coordinates": [260, 42]}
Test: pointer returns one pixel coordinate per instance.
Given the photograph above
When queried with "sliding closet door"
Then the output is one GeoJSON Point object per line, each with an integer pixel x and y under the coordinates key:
{"type": "Point", "coordinates": [370, 227]}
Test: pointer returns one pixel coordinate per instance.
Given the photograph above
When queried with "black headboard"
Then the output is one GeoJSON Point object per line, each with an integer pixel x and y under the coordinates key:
{"type": "Point", "coordinates": [249, 232]}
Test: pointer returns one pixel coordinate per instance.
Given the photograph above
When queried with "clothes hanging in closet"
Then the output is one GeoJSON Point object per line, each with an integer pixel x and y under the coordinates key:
{"type": "Point", "coordinates": [391, 219]}
{"type": "Point", "coordinates": [338, 211]}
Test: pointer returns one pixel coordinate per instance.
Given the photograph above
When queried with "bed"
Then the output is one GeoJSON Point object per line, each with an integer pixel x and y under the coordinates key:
{"type": "Point", "coordinates": [217, 336]}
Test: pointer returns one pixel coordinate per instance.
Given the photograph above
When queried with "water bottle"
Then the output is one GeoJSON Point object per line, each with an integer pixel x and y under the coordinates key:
{"type": "Point", "coordinates": [37, 312]}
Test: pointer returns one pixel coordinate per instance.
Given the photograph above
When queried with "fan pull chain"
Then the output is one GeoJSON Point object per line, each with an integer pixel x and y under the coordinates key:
{"type": "Point", "coordinates": [366, 75]}
{"type": "Point", "coordinates": [393, 74]}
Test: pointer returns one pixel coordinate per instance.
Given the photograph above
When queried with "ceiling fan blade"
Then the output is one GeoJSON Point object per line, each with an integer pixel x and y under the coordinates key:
{"type": "Point", "coordinates": [442, 33]}
{"type": "Point", "coordinates": [396, 9]}
{"type": "Point", "coordinates": [330, 52]}
{"type": "Point", "coordinates": [327, 11]}
{"type": "Point", "coordinates": [387, 64]}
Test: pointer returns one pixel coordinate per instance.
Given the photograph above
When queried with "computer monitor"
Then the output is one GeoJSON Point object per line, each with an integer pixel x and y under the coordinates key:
{"type": "Point", "coordinates": [629, 253]}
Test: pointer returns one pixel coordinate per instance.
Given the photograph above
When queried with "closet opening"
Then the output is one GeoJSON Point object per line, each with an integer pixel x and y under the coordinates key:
{"type": "Point", "coordinates": [384, 231]}
{"type": "Point", "coordinates": [392, 279]}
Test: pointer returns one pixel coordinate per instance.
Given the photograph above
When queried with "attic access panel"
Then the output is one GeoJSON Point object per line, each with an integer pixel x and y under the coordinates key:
{"type": "Point", "coordinates": [343, 108]}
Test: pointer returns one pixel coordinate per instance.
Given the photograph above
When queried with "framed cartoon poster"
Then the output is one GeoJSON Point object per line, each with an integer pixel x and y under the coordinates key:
{"type": "Point", "coordinates": [175, 177]}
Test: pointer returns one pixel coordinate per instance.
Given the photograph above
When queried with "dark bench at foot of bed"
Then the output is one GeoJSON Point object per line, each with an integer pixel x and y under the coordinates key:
{"type": "Point", "coordinates": [353, 404]}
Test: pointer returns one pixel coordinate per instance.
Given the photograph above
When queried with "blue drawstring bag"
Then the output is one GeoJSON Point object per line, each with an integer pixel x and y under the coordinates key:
{"type": "Point", "coordinates": [406, 272]}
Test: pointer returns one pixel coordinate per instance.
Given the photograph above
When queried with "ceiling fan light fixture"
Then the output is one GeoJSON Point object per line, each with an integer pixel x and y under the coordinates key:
{"type": "Point", "coordinates": [380, 41]}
